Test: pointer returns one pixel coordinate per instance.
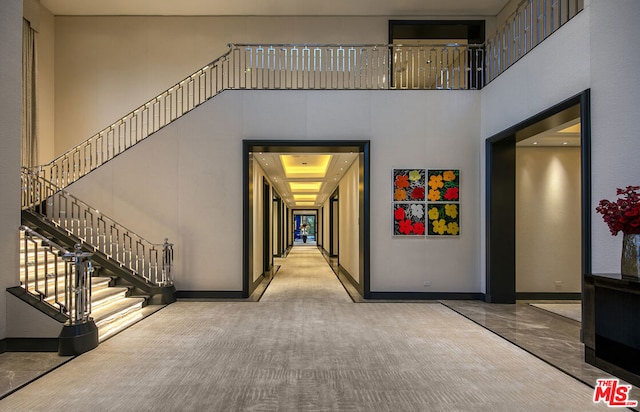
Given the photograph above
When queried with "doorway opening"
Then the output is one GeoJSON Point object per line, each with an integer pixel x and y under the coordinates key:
{"type": "Point", "coordinates": [538, 185]}
{"type": "Point", "coordinates": [283, 200]}
{"type": "Point", "coordinates": [305, 228]}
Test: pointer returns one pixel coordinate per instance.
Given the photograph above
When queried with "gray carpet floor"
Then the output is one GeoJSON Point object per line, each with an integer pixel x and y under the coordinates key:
{"type": "Point", "coordinates": [305, 347]}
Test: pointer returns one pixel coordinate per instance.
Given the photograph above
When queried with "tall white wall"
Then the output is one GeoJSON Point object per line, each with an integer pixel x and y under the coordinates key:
{"type": "Point", "coordinates": [10, 131]}
{"type": "Point", "coordinates": [350, 221]}
{"type": "Point", "coordinates": [614, 115]}
{"type": "Point", "coordinates": [548, 225]}
{"type": "Point", "coordinates": [185, 181]}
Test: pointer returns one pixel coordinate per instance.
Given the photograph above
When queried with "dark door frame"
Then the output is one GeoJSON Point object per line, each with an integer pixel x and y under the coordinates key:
{"type": "Point", "coordinates": [267, 235]}
{"type": "Point", "coordinates": [501, 199]}
{"type": "Point", "coordinates": [334, 228]}
{"type": "Point", "coordinates": [305, 146]}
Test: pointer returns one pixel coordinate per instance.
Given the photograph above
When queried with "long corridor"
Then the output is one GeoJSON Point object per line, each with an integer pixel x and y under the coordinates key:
{"type": "Point", "coordinates": [305, 347]}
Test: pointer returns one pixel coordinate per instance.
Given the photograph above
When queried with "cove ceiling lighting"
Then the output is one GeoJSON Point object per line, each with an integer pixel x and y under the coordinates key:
{"type": "Point", "coordinates": [300, 187]}
{"type": "Point", "coordinates": [305, 204]}
{"type": "Point", "coordinates": [305, 166]}
{"type": "Point", "coordinates": [304, 197]}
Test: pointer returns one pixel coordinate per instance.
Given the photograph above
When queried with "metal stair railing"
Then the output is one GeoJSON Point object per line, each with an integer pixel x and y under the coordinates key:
{"type": "Point", "coordinates": [275, 67]}
{"type": "Point", "coordinates": [69, 289]}
{"type": "Point", "coordinates": [152, 262]}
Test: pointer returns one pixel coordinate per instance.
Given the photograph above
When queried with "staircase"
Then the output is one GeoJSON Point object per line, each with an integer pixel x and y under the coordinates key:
{"type": "Point", "coordinates": [44, 280]}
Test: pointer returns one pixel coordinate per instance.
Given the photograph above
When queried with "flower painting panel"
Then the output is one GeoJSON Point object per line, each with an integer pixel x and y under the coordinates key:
{"type": "Point", "coordinates": [409, 219]}
{"type": "Point", "coordinates": [443, 185]}
{"type": "Point", "coordinates": [443, 219]}
{"type": "Point", "coordinates": [408, 185]}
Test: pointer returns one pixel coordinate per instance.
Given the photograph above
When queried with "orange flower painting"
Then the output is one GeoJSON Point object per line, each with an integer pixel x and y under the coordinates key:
{"type": "Point", "coordinates": [409, 185]}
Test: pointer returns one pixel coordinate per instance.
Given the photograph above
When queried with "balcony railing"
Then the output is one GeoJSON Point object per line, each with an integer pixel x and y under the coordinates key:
{"type": "Point", "coordinates": [531, 23]}
{"type": "Point", "coordinates": [153, 262]}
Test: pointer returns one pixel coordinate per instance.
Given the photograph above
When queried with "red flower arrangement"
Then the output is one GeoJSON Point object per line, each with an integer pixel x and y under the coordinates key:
{"type": "Point", "coordinates": [623, 214]}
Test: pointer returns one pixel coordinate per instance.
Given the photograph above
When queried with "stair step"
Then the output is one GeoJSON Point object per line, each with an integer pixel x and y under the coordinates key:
{"type": "Point", "coordinates": [107, 295]}
{"type": "Point", "coordinates": [108, 329]}
{"type": "Point", "coordinates": [116, 309]}
{"type": "Point", "coordinates": [98, 284]}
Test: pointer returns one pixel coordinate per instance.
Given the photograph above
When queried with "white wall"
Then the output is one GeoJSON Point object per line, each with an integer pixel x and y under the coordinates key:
{"type": "Point", "coordinates": [10, 131]}
{"type": "Point", "coordinates": [350, 221]}
{"type": "Point", "coordinates": [614, 115]}
{"type": "Point", "coordinates": [185, 181]}
{"type": "Point", "coordinates": [548, 224]}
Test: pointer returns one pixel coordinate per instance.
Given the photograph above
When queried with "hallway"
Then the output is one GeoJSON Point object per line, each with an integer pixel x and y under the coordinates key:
{"type": "Point", "coordinates": [305, 347]}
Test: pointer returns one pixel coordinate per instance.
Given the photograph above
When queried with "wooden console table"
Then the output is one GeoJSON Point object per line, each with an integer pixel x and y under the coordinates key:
{"type": "Point", "coordinates": [611, 324]}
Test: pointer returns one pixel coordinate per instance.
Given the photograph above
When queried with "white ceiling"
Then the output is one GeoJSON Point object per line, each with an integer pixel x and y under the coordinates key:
{"type": "Point", "coordinates": [276, 7]}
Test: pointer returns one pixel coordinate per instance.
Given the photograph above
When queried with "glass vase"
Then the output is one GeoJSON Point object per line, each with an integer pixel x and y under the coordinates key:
{"type": "Point", "coordinates": [630, 264]}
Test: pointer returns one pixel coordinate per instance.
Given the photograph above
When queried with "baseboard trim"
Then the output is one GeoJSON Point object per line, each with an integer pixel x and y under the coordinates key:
{"type": "Point", "coordinates": [350, 278]}
{"type": "Point", "coordinates": [29, 345]}
{"type": "Point", "coordinates": [209, 294]}
{"type": "Point", "coordinates": [548, 296]}
{"type": "Point", "coordinates": [426, 295]}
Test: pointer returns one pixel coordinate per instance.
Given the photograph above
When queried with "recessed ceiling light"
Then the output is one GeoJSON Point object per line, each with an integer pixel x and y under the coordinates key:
{"type": "Point", "coordinates": [565, 143]}
{"type": "Point", "coordinates": [535, 142]}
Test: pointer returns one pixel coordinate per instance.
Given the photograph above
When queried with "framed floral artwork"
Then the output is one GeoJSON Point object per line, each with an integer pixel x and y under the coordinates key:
{"type": "Point", "coordinates": [443, 185]}
{"type": "Point", "coordinates": [409, 185]}
{"type": "Point", "coordinates": [443, 219]}
{"type": "Point", "coordinates": [409, 219]}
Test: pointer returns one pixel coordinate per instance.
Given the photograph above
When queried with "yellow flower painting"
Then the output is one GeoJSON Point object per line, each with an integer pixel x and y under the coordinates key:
{"type": "Point", "coordinates": [443, 219]}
